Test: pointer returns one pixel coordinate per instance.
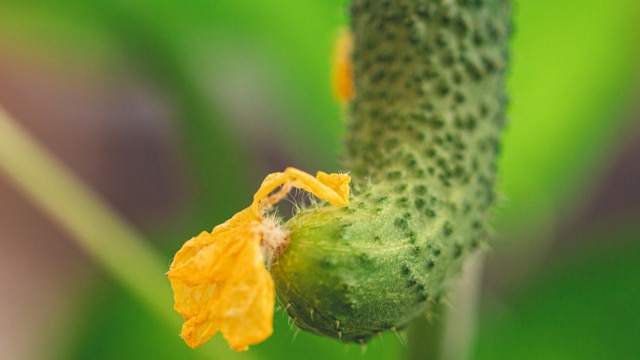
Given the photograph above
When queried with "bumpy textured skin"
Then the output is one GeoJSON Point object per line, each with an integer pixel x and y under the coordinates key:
{"type": "Point", "coordinates": [423, 139]}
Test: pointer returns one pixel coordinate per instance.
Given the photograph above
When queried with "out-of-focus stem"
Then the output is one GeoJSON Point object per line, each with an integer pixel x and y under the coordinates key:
{"type": "Point", "coordinates": [460, 318]}
{"type": "Point", "coordinates": [106, 237]}
{"type": "Point", "coordinates": [425, 336]}
{"type": "Point", "coordinates": [450, 333]}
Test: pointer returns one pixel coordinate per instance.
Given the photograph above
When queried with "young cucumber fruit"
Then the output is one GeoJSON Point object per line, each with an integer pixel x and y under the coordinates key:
{"type": "Point", "coordinates": [423, 139]}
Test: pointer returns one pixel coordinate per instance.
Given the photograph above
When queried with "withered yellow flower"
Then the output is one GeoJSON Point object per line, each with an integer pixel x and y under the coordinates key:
{"type": "Point", "coordinates": [219, 279]}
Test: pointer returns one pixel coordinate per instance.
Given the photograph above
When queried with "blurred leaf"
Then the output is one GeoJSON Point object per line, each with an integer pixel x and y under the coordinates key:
{"type": "Point", "coordinates": [583, 306]}
{"type": "Point", "coordinates": [294, 38]}
{"type": "Point", "coordinates": [573, 65]}
{"type": "Point", "coordinates": [122, 329]}
{"type": "Point", "coordinates": [113, 325]}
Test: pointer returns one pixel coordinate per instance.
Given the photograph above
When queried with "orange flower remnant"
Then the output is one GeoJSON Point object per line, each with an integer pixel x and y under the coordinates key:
{"type": "Point", "coordinates": [343, 67]}
{"type": "Point", "coordinates": [219, 279]}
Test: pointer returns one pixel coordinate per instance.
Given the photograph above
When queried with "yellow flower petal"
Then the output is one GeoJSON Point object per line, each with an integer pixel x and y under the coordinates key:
{"type": "Point", "coordinates": [208, 257]}
{"type": "Point", "coordinates": [338, 183]}
{"type": "Point", "coordinates": [207, 276]}
{"type": "Point", "coordinates": [219, 279]}
{"type": "Point", "coordinates": [247, 301]}
{"type": "Point", "coordinates": [198, 302]}
{"type": "Point", "coordinates": [331, 187]}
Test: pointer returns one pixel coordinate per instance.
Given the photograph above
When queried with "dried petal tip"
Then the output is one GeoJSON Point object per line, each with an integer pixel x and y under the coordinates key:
{"type": "Point", "coordinates": [219, 279]}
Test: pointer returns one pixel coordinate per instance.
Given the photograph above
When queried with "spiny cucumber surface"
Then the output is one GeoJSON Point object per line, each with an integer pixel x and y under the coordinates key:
{"type": "Point", "coordinates": [423, 137]}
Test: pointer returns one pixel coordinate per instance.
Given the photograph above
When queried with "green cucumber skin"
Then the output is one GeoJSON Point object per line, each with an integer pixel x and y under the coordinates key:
{"type": "Point", "coordinates": [423, 139]}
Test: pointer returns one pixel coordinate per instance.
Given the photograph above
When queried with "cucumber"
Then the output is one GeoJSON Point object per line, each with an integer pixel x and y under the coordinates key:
{"type": "Point", "coordinates": [423, 138]}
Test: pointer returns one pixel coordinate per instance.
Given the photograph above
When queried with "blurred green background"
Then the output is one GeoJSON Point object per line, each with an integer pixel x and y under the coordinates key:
{"type": "Point", "coordinates": [174, 112]}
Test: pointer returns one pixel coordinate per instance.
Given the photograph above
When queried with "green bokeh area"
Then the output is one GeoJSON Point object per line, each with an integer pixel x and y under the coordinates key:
{"type": "Point", "coordinates": [574, 64]}
{"type": "Point", "coordinates": [581, 306]}
{"type": "Point", "coordinates": [574, 73]}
